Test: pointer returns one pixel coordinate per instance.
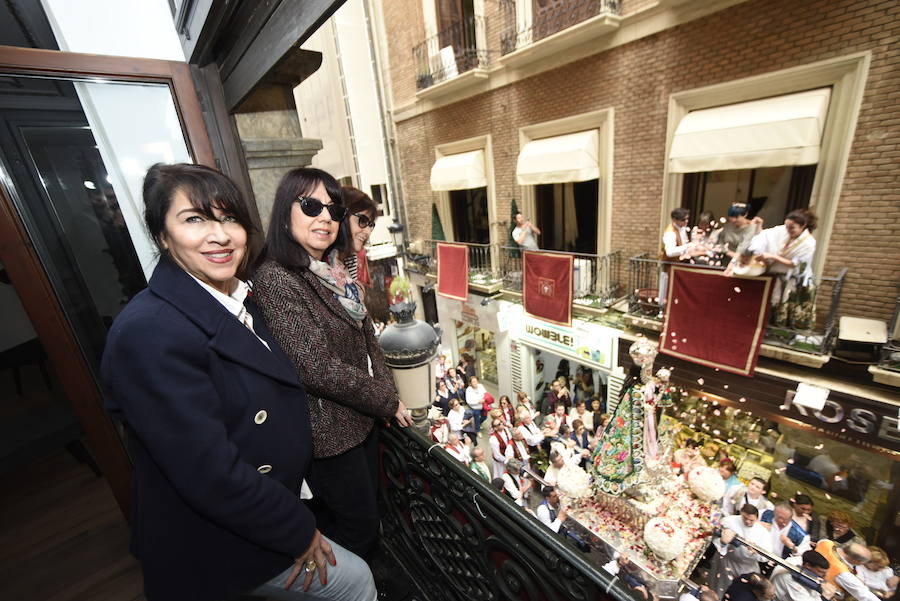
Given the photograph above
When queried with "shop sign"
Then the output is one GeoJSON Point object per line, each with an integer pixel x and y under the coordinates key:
{"type": "Point", "coordinates": [468, 314]}
{"type": "Point", "coordinates": [589, 345]}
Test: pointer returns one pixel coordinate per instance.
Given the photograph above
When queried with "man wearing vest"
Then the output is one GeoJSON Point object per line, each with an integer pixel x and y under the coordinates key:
{"type": "Point", "coordinates": [842, 562]}
{"type": "Point", "coordinates": [458, 450]}
{"type": "Point", "coordinates": [519, 448]}
{"type": "Point", "coordinates": [549, 512]}
{"type": "Point", "coordinates": [500, 451]}
{"type": "Point", "coordinates": [788, 538]}
{"type": "Point", "coordinates": [674, 244]}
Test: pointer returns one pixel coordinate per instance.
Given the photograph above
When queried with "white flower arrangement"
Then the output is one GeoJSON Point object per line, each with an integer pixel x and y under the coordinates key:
{"type": "Point", "coordinates": [665, 540]}
{"type": "Point", "coordinates": [574, 482]}
{"type": "Point", "coordinates": [706, 483]}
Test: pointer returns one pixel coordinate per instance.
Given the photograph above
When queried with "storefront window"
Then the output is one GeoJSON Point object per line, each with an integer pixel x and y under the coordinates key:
{"type": "Point", "coordinates": [836, 476]}
{"type": "Point", "coordinates": [479, 343]}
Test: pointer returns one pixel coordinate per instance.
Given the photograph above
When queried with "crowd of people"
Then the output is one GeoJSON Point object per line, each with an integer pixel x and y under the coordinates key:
{"type": "Point", "coordinates": [743, 246]}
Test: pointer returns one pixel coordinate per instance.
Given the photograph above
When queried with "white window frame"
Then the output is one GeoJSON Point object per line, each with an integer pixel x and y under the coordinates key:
{"type": "Point", "coordinates": [846, 75]}
{"type": "Point", "coordinates": [469, 144]}
{"type": "Point", "coordinates": [603, 121]}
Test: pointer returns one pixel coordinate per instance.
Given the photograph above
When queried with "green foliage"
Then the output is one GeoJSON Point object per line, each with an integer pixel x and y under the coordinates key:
{"type": "Point", "coordinates": [510, 241]}
{"type": "Point", "coordinates": [400, 290]}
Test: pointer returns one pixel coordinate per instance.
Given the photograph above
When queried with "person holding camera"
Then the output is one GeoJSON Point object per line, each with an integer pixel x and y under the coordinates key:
{"type": "Point", "coordinates": [525, 233]}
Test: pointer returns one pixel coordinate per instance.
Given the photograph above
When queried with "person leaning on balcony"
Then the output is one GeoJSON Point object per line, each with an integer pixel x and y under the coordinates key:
{"type": "Point", "coordinates": [738, 232]}
{"type": "Point", "coordinates": [314, 310]}
{"type": "Point", "coordinates": [216, 420]}
{"type": "Point", "coordinates": [358, 226]}
{"type": "Point", "coordinates": [525, 233]}
{"type": "Point", "coordinates": [788, 250]}
{"type": "Point", "coordinates": [675, 246]}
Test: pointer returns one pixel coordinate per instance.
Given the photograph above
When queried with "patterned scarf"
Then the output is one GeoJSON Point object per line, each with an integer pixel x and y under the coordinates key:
{"type": "Point", "coordinates": [334, 276]}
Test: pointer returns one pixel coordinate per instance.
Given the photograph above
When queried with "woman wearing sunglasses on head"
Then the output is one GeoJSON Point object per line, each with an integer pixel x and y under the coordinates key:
{"type": "Point", "coordinates": [315, 312]}
{"type": "Point", "coordinates": [217, 423]}
{"type": "Point", "coordinates": [359, 224]}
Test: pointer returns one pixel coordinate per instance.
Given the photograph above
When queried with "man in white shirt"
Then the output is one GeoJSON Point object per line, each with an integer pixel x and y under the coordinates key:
{"type": "Point", "coordinates": [524, 233]}
{"type": "Point", "coordinates": [475, 400]}
{"type": "Point", "coordinates": [458, 450]}
{"type": "Point", "coordinates": [549, 512]}
{"type": "Point", "coordinates": [532, 434]}
{"type": "Point", "coordinates": [500, 447]}
{"type": "Point", "coordinates": [735, 558]}
{"type": "Point", "coordinates": [753, 493]}
{"type": "Point", "coordinates": [514, 484]}
{"type": "Point", "coordinates": [675, 243]}
{"type": "Point", "coordinates": [786, 537]}
{"type": "Point", "coordinates": [791, 587]}
{"type": "Point", "coordinates": [557, 462]}
{"type": "Point", "coordinates": [518, 449]}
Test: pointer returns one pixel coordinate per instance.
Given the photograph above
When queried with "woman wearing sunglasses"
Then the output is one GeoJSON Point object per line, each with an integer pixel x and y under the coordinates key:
{"type": "Point", "coordinates": [314, 310]}
{"type": "Point", "coordinates": [359, 224]}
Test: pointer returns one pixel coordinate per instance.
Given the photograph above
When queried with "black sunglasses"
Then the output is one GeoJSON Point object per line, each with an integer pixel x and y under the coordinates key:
{"type": "Point", "coordinates": [363, 220]}
{"type": "Point", "coordinates": [313, 207]}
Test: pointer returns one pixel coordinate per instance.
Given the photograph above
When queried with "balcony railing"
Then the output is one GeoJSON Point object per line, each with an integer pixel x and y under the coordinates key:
{"type": "Point", "coordinates": [464, 540]}
{"type": "Point", "coordinates": [597, 278]}
{"type": "Point", "coordinates": [890, 352]}
{"type": "Point", "coordinates": [454, 50]}
{"type": "Point", "coordinates": [481, 270]}
{"type": "Point", "coordinates": [557, 16]}
{"type": "Point", "coordinates": [643, 302]}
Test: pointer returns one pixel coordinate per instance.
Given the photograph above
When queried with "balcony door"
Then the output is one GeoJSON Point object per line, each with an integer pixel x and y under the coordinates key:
{"type": "Point", "coordinates": [77, 134]}
{"type": "Point", "coordinates": [456, 30]}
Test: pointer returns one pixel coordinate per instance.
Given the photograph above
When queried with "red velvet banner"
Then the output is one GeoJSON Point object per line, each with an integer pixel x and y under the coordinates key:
{"type": "Point", "coordinates": [453, 270]}
{"type": "Point", "coordinates": [714, 320]}
{"type": "Point", "coordinates": [547, 286]}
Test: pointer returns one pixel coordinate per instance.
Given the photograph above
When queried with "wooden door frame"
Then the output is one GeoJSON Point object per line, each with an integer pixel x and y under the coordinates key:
{"type": "Point", "coordinates": [19, 257]}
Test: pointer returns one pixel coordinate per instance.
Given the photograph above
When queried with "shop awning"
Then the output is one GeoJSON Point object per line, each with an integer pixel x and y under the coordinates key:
{"type": "Point", "coordinates": [783, 130]}
{"type": "Point", "coordinates": [461, 171]}
{"type": "Point", "coordinates": [569, 158]}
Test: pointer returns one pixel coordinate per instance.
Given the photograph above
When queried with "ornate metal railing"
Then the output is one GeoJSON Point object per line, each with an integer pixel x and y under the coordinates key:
{"type": "Point", "coordinates": [597, 278]}
{"type": "Point", "coordinates": [556, 16]}
{"type": "Point", "coordinates": [467, 542]}
{"type": "Point", "coordinates": [451, 51]}
{"type": "Point", "coordinates": [643, 302]}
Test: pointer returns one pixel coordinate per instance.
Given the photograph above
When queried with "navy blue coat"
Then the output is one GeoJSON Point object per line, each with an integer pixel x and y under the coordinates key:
{"type": "Point", "coordinates": [219, 434]}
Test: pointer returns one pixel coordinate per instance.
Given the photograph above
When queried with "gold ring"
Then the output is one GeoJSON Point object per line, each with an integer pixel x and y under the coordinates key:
{"type": "Point", "coordinates": [311, 565]}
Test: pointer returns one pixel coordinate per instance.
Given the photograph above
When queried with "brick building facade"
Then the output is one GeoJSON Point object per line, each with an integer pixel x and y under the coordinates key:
{"type": "Point", "coordinates": [661, 49]}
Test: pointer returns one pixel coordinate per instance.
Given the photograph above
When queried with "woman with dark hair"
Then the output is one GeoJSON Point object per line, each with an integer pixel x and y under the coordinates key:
{"type": "Point", "coordinates": [315, 311]}
{"type": "Point", "coordinates": [216, 421]}
{"type": "Point", "coordinates": [788, 250]}
{"type": "Point", "coordinates": [360, 222]}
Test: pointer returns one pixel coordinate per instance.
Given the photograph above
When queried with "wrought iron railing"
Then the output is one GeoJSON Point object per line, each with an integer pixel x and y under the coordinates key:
{"type": "Point", "coordinates": [597, 278]}
{"type": "Point", "coordinates": [557, 16]}
{"type": "Point", "coordinates": [643, 302]}
{"type": "Point", "coordinates": [890, 352]}
{"type": "Point", "coordinates": [467, 542]}
{"type": "Point", "coordinates": [481, 264]}
{"type": "Point", "coordinates": [451, 51]}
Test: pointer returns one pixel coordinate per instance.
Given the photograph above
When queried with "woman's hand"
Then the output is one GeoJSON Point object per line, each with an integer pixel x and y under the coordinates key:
{"type": "Point", "coordinates": [403, 416]}
{"type": "Point", "coordinates": [318, 556]}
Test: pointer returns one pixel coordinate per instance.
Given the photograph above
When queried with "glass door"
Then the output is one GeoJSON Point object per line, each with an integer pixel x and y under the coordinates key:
{"type": "Point", "coordinates": [77, 135]}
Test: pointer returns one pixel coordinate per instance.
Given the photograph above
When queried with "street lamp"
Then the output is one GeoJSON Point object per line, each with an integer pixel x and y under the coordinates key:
{"type": "Point", "coordinates": [410, 346]}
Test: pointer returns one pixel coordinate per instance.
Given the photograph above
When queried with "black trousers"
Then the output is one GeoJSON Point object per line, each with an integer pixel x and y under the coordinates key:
{"type": "Point", "coordinates": [344, 500]}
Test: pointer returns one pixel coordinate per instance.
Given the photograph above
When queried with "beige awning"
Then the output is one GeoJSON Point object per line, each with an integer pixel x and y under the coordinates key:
{"type": "Point", "coordinates": [782, 130]}
{"type": "Point", "coordinates": [461, 171]}
{"type": "Point", "coordinates": [569, 158]}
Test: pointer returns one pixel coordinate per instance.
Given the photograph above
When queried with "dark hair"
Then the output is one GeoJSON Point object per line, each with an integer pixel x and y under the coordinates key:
{"type": "Point", "coordinates": [280, 244]}
{"type": "Point", "coordinates": [547, 490]}
{"type": "Point", "coordinates": [691, 443]}
{"type": "Point", "coordinates": [729, 467]}
{"type": "Point", "coordinates": [738, 209]}
{"type": "Point", "coordinates": [802, 500]}
{"type": "Point", "coordinates": [679, 214]}
{"type": "Point", "coordinates": [804, 218]}
{"type": "Point", "coordinates": [356, 201]}
{"type": "Point", "coordinates": [749, 509]}
{"type": "Point", "coordinates": [206, 189]}
{"type": "Point", "coordinates": [758, 479]}
{"type": "Point", "coordinates": [815, 559]}
{"type": "Point", "coordinates": [758, 584]}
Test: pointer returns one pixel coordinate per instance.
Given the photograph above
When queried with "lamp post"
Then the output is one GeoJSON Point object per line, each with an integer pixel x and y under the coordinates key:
{"type": "Point", "coordinates": [410, 346]}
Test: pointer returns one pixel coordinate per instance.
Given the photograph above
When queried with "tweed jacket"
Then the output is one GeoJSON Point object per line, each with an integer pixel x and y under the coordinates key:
{"type": "Point", "coordinates": [329, 350]}
{"type": "Point", "coordinates": [220, 439]}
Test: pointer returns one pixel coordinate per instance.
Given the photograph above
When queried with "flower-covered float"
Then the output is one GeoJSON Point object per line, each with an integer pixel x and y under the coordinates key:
{"type": "Point", "coordinates": [637, 505]}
